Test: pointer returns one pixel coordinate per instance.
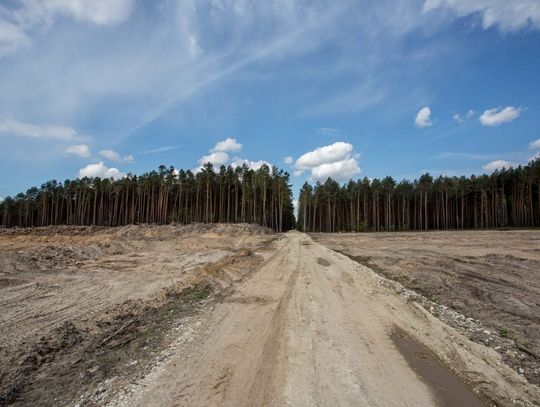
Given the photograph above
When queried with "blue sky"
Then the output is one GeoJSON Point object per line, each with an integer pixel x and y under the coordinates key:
{"type": "Point", "coordinates": [319, 88]}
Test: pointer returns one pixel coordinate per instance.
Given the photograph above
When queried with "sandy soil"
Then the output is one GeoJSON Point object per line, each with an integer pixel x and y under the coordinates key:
{"type": "Point", "coordinates": [55, 279]}
{"type": "Point", "coordinates": [491, 276]}
{"type": "Point", "coordinates": [312, 327]}
{"type": "Point", "coordinates": [226, 315]}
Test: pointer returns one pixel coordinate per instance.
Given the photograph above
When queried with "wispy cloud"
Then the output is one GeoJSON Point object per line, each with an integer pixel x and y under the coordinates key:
{"type": "Point", "coordinates": [462, 118]}
{"type": "Point", "coordinates": [159, 150]}
{"type": "Point", "coordinates": [21, 129]}
{"type": "Point", "coordinates": [512, 15]}
{"type": "Point", "coordinates": [198, 45]}
{"type": "Point", "coordinates": [19, 23]}
{"type": "Point", "coordinates": [468, 156]}
{"type": "Point", "coordinates": [114, 156]}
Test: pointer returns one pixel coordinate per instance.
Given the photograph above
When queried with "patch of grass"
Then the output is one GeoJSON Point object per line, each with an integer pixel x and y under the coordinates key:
{"type": "Point", "coordinates": [504, 333]}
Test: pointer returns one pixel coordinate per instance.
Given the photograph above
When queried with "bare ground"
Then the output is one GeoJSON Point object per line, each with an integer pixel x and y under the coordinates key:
{"type": "Point", "coordinates": [227, 315]}
{"type": "Point", "coordinates": [492, 277]}
{"type": "Point", "coordinates": [73, 294]}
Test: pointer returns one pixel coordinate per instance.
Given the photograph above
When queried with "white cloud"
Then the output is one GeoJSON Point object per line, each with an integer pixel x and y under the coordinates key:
{"type": "Point", "coordinates": [497, 116]}
{"type": "Point", "coordinates": [17, 24]}
{"type": "Point", "coordinates": [81, 150]}
{"type": "Point", "coordinates": [217, 159]}
{"type": "Point", "coordinates": [339, 170]}
{"type": "Point", "coordinates": [288, 160]}
{"type": "Point", "coordinates": [534, 157]}
{"type": "Point", "coordinates": [508, 15]}
{"type": "Point", "coordinates": [423, 117]}
{"type": "Point", "coordinates": [200, 44]}
{"type": "Point", "coordinates": [218, 156]}
{"type": "Point", "coordinates": [321, 155]}
{"type": "Point", "coordinates": [228, 145]}
{"type": "Point", "coordinates": [100, 12]}
{"type": "Point", "coordinates": [110, 155]}
{"type": "Point", "coordinates": [159, 150]}
{"type": "Point", "coordinates": [100, 170]}
{"type": "Point", "coordinates": [337, 161]}
{"type": "Point", "coordinates": [461, 118]}
{"type": "Point", "coordinates": [498, 165]}
{"type": "Point", "coordinates": [534, 144]}
{"type": "Point", "coordinates": [16, 128]}
{"type": "Point", "coordinates": [254, 165]}
{"type": "Point", "coordinates": [114, 156]}
{"type": "Point", "coordinates": [11, 37]}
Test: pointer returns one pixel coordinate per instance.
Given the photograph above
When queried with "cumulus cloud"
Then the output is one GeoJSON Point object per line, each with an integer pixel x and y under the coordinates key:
{"type": "Point", "coordinates": [462, 118]}
{"type": "Point", "coordinates": [336, 161]}
{"type": "Point", "coordinates": [20, 129]}
{"type": "Point", "coordinates": [114, 156]}
{"type": "Point", "coordinates": [423, 117]}
{"type": "Point", "coordinates": [217, 159]}
{"type": "Point", "coordinates": [227, 146]}
{"type": "Point", "coordinates": [82, 150]}
{"type": "Point", "coordinates": [339, 170]}
{"type": "Point", "coordinates": [498, 165]}
{"type": "Point", "coordinates": [533, 145]}
{"type": "Point", "coordinates": [254, 165]}
{"type": "Point", "coordinates": [497, 116]}
{"type": "Point", "coordinates": [288, 160]}
{"type": "Point", "coordinates": [535, 157]}
{"type": "Point", "coordinates": [507, 15]}
{"type": "Point", "coordinates": [100, 170]}
{"type": "Point", "coordinates": [218, 156]}
{"type": "Point", "coordinates": [326, 154]}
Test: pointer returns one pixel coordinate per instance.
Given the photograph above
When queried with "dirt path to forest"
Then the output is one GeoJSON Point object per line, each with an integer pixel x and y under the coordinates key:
{"type": "Point", "coordinates": [313, 328]}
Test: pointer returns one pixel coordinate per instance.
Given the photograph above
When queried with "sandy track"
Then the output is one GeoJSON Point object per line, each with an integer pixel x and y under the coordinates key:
{"type": "Point", "coordinates": [312, 327]}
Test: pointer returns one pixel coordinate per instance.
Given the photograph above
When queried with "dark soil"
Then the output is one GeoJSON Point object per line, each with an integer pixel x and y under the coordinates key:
{"type": "Point", "coordinates": [446, 386]}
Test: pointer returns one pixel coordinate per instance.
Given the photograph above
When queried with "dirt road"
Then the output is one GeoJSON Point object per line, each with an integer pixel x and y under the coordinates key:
{"type": "Point", "coordinates": [312, 327]}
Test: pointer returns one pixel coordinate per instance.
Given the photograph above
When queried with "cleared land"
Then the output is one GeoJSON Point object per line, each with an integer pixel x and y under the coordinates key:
{"type": "Point", "coordinates": [491, 276]}
{"type": "Point", "coordinates": [71, 298]}
{"type": "Point", "coordinates": [229, 315]}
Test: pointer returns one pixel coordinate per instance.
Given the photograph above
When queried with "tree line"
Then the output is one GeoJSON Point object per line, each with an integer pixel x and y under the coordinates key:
{"type": "Point", "coordinates": [229, 195]}
{"type": "Point", "coordinates": [506, 198]}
